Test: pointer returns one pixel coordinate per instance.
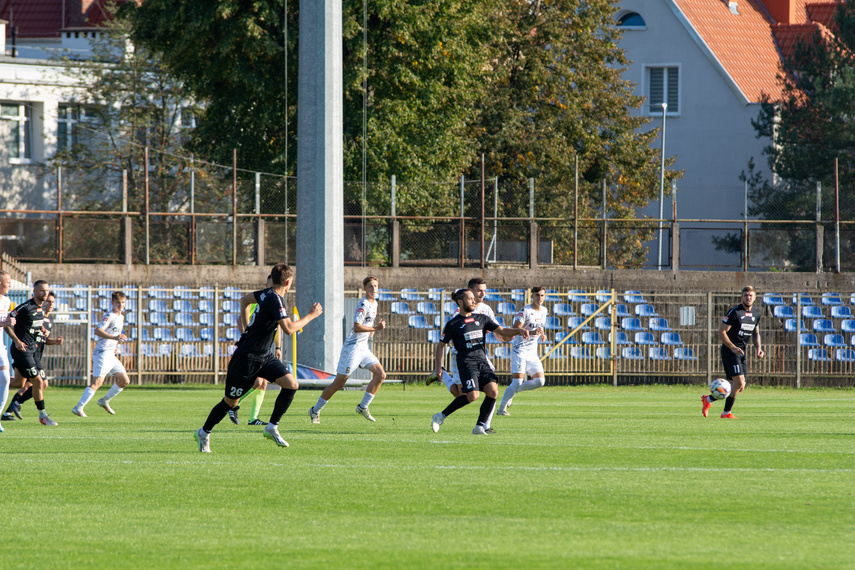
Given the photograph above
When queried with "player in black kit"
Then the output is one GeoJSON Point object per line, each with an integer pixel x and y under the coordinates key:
{"type": "Point", "coordinates": [254, 357]}
{"type": "Point", "coordinates": [24, 350]}
{"type": "Point", "coordinates": [468, 332]}
{"type": "Point", "coordinates": [741, 323]}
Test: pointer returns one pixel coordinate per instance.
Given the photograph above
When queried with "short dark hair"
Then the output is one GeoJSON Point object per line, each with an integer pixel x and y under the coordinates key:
{"type": "Point", "coordinates": [748, 288]}
{"type": "Point", "coordinates": [459, 294]}
{"type": "Point", "coordinates": [39, 282]}
{"type": "Point", "coordinates": [369, 279]}
{"type": "Point", "coordinates": [118, 296]}
{"type": "Point", "coordinates": [281, 273]}
{"type": "Point", "coordinates": [537, 289]}
{"type": "Point", "coordinates": [476, 281]}
{"type": "Point", "coordinates": [51, 294]}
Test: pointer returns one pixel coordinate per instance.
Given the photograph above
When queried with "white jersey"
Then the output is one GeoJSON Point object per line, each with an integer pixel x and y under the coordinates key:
{"type": "Point", "coordinates": [480, 309]}
{"type": "Point", "coordinates": [366, 314]}
{"type": "Point", "coordinates": [111, 324]}
{"type": "Point", "coordinates": [531, 319]}
{"type": "Point", "coordinates": [5, 305]}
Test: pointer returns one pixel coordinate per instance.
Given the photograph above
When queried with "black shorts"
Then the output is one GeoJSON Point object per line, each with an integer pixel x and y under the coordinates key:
{"type": "Point", "coordinates": [475, 375]}
{"type": "Point", "coordinates": [734, 365]}
{"type": "Point", "coordinates": [27, 363]}
{"type": "Point", "coordinates": [244, 369]}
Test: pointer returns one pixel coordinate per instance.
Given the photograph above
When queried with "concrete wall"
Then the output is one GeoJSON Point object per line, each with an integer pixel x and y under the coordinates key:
{"type": "Point", "coordinates": [450, 278]}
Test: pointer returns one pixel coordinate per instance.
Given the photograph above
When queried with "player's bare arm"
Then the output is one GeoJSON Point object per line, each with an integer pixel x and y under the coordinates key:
{"type": "Point", "coordinates": [243, 317]}
{"type": "Point", "coordinates": [15, 340]}
{"type": "Point", "coordinates": [758, 344]}
{"type": "Point", "coordinates": [437, 361]}
{"type": "Point", "coordinates": [379, 325]}
{"type": "Point", "coordinates": [104, 334]}
{"type": "Point", "coordinates": [512, 332]}
{"type": "Point", "coordinates": [289, 327]}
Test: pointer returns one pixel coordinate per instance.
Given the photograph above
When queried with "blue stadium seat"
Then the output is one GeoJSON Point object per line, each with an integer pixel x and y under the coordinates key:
{"type": "Point", "coordinates": [185, 334]}
{"type": "Point", "coordinates": [805, 298]}
{"type": "Point", "coordinates": [557, 354]}
{"type": "Point", "coordinates": [645, 338]}
{"type": "Point", "coordinates": [230, 350]}
{"type": "Point", "coordinates": [844, 355]}
{"type": "Point", "coordinates": [518, 295]}
{"type": "Point", "coordinates": [823, 326]}
{"type": "Point", "coordinates": [435, 293]}
{"type": "Point", "coordinates": [437, 321]}
{"type": "Point", "coordinates": [182, 306]}
{"type": "Point", "coordinates": [206, 293]}
{"type": "Point", "coordinates": [808, 339]}
{"type": "Point", "coordinates": [106, 305]}
{"type": "Point", "coordinates": [852, 299]}
{"type": "Point", "coordinates": [493, 296]}
{"type": "Point", "coordinates": [812, 312]}
{"type": "Point", "coordinates": [232, 293]}
{"type": "Point", "coordinates": [563, 310]}
{"type": "Point", "coordinates": [604, 353]}
{"type": "Point", "coordinates": [588, 309]}
{"type": "Point", "coordinates": [658, 353]}
{"type": "Point", "coordinates": [790, 325]}
{"type": "Point", "coordinates": [426, 308]}
{"type": "Point", "coordinates": [207, 334]}
{"type": "Point", "coordinates": [501, 320]}
{"type": "Point", "coordinates": [644, 310]}
{"type": "Point", "coordinates": [230, 319]}
{"type": "Point", "coordinates": [411, 295]}
{"type": "Point", "coordinates": [559, 336]}
{"type": "Point", "coordinates": [206, 306]}
{"type": "Point", "coordinates": [505, 308]}
{"type": "Point", "coordinates": [385, 295]}
{"type": "Point", "coordinates": [189, 351]}
{"type": "Point", "coordinates": [834, 341]}
{"type": "Point", "coordinates": [603, 295]}
{"type": "Point", "coordinates": [580, 353]}
{"type": "Point", "coordinates": [620, 338]}
{"type": "Point", "coordinates": [130, 305]}
{"type": "Point", "coordinates": [206, 319]}
{"type": "Point", "coordinates": [418, 322]}
{"type": "Point", "coordinates": [146, 336]}
{"type": "Point", "coordinates": [592, 338]}
{"type": "Point", "coordinates": [185, 320]}
{"type": "Point", "coordinates": [232, 334]}
{"type": "Point", "coordinates": [631, 324]}
{"type": "Point", "coordinates": [841, 312]}
{"type": "Point", "coordinates": [847, 325]}
{"type": "Point", "coordinates": [182, 292]}
{"type": "Point", "coordinates": [684, 353]}
{"type": "Point", "coordinates": [622, 311]}
{"type": "Point", "coordinates": [576, 322]}
{"type": "Point", "coordinates": [552, 323]}
{"type": "Point", "coordinates": [80, 290]}
{"type": "Point", "coordinates": [158, 292]}
{"type": "Point", "coordinates": [162, 333]}
{"type": "Point", "coordinates": [433, 336]}
{"type": "Point", "coordinates": [157, 306]}
{"type": "Point", "coordinates": [164, 349]}
{"type": "Point", "coordinates": [207, 350]}
{"type": "Point", "coordinates": [831, 299]}
{"type": "Point", "coordinates": [658, 324]}
{"type": "Point", "coordinates": [132, 333]}
{"type": "Point", "coordinates": [502, 352]}
{"type": "Point", "coordinates": [783, 311]}
{"type": "Point", "coordinates": [633, 297]}
{"type": "Point", "coordinates": [773, 299]}
{"type": "Point", "coordinates": [131, 291]}
{"type": "Point", "coordinates": [449, 307]}
{"type": "Point", "coordinates": [231, 306]}
{"type": "Point", "coordinates": [130, 318]}
{"type": "Point", "coordinates": [818, 355]}
{"type": "Point", "coordinates": [603, 323]}
{"type": "Point", "coordinates": [147, 349]}
{"type": "Point", "coordinates": [671, 339]}
{"type": "Point", "coordinates": [576, 296]}
{"type": "Point", "coordinates": [158, 319]}
{"type": "Point", "coordinates": [632, 353]}
{"type": "Point", "coordinates": [400, 308]}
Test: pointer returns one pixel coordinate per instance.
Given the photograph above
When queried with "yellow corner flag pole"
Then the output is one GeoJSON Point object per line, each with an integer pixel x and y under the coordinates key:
{"type": "Point", "coordinates": [295, 316]}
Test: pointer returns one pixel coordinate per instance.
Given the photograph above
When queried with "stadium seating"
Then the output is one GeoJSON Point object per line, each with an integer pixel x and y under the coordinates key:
{"type": "Point", "coordinates": [644, 310]}
{"type": "Point", "coordinates": [385, 295]}
{"type": "Point", "coordinates": [505, 308]}
{"type": "Point", "coordinates": [105, 305]}
{"type": "Point", "coordinates": [158, 319]}
{"type": "Point", "coordinates": [162, 333]}
{"type": "Point", "coordinates": [684, 353]}
{"type": "Point", "coordinates": [658, 353]}
{"type": "Point", "coordinates": [783, 311]}
{"type": "Point", "coordinates": [592, 338]}
{"type": "Point", "coordinates": [818, 355]}
{"type": "Point", "coordinates": [557, 354]}
{"type": "Point", "coordinates": [559, 336]}
{"type": "Point", "coordinates": [185, 320]}
{"type": "Point", "coordinates": [400, 308]}
{"type": "Point", "coordinates": [411, 295]}
{"type": "Point", "coordinates": [577, 296]}
{"type": "Point", "coordinates": [501, 320]}
{"type": "Point", "coordinates": [671, 339]}
{"type": "Point", "coordinates": [576, 322]}
{"type": "Point", "coordinates": [844, 355]}
{"type": "Point", "coordinates": [181, 292]}
{"type": "Point", "coordinates": [232, 293]}
{"type": "Point", "coordinates": [418, 322]}
{"type": "Point", "coordinates": [493, 296]}
{"type": "Point", "coordinates": [157, 306]}
{"type": "Point", "coordinates": [437, 321]}
{"type": "Point", "coordinates": [790, 325]}
{"type": "Point", "coordinates": [206, 334]}
{"type": "Point", "coordinates": [645, 338]}
{"type": "Point", "coordinates": [435, 293]}
{"type": "Point", "coordinates": [230, 319]}
{"type": "Point", "coordinates": [147, 349]}
{"type": "Point", "coordinates": [552, 296]}
{"type": "Point", "coordinates": [603, 323]}
{"type": "Point", "coordinates": [189, 351]}
{"type": "Point", "coordinates": [552, 323]}
{"type": "Point", "coordinates": [841, 312]}
{"type": "Point", "coordinates": [808, 339]}
{"type": "Point", "coordinates": [631, 324]}
{"type": "Point", "coordinates": [185, 334]}
{"type": "Point", "coordinates": [206, 319]}
{"type": "Point", "coordinates": [622, 311]}
{"type": "Point", "coordinates": [206, 293]}
{"type": "Point", "coordinates": [232, 334]}
{"type": "Point", "coordinates": [502, 352]}
{"type": "Point", "coordinates": [620, 338]}
{"type": "Point", "coordinates": [834, 341]}
{"type": "Point", "coordinates": [492, 339]}
{"type": "Point", "coordinates": [580, 353]}
{"type": "Point", "coordinates": [518, 295]}
{"type": "Point", "coordinates": [231, 306]}
{"type": "Point", "coordinates": [158, 292]}
{"type": "Point", "coordinates": [563, 310]}
{"type": "Point", "coordinates": [773, 299]}
{"type": "Point", "coordinates": [847, 325]}
{"type": "Point", "coordinates": [805, 299]}
{"type": "Point", "coordinates": [130, 318]}
{"type": "Point", "coordinates": [604, 295]}
{"type": "Point", "coordinates": [206, 306]}
{"type": "Point", "coordinates": [812, 312]}
{"type": "Point", "coordinates": [449, 307]}
{"type": "Point", "coordinates": [433, 335]}
{"type": "Point", "coordinates": [588, 309]}
{"type": "Point", "coordinates": [633, 297]}
{"type": "Point", "coordinates": [604, 353]}
{"type": "Point", "coordinates": [632, 353]}
{"type": "Point", "coordinates": [831, 299]}
{"type": "Point", "coordinates": [823, 326]}
{"type": "Point", "coordinates": [182, 306]}
{"type": "Point", "coordinates": [658, 325]}
{"type": "Point", "coordinates": [426, 308]}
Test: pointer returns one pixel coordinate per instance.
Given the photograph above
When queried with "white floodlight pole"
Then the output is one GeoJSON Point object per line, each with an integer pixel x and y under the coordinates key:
{"type": "Point", "coordinates": [661, 185]}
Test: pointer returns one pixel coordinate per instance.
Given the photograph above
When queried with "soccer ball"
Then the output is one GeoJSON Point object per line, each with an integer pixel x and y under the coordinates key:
{"type": "Point", "coordinates": [719, 389]}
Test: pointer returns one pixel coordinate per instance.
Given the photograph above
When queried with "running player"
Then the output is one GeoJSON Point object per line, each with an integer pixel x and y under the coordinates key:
{"type": "Point", "coordinates": [355, 353]}
{"type": "Point", "coordinates": [467, 331]}
{"type": "Point", "coordinates": [13, 412]}
{"type": "Point", "coordinates": [524, 359]}
{"type": "Point", "coordinates": [104, 360]}
{"type": "Point", "coordinates": [253, 358]}
{"type": "Point", "coordinates": [5, 321]}
{"type": "Point", "coordinates": [740, 324]}
{"type": "Point", "coordinates": [29, 317]}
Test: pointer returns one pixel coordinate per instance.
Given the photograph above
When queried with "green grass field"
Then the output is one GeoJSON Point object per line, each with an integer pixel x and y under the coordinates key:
{"type": "Point", "coordinates": [630, 477]}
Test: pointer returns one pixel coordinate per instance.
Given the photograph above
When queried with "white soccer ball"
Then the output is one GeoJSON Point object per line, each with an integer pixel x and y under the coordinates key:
{"type": "Point", "coordinates": [719, 389]}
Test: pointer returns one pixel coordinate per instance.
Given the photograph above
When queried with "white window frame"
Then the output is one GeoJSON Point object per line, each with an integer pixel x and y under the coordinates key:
{"type": "Point", "coordinates": [657, 111]}
{"type": "Point", "coordinates": [80, 114]}
{"type": "Point", "coordinates": [24, 120]}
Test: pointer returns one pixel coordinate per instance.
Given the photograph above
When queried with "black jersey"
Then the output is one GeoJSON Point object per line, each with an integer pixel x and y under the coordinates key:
{"type": "Point", "coordinates": [742, 324]}
{"type": "Point", "coordinates": [468, 335]}
{"type": "Point", "coordinates": [44, 334]}
{"type": "Point", "coordinates": [257, 339]}
{"type": "Point", "coordinates": [28, 323]}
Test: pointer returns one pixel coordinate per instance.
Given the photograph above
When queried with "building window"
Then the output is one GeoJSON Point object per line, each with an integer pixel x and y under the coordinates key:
{"type": "Point", "coordinates": [68, 125]}
{"type": "Point", "coordinates": [188, 118]}
{"type": "Point", "coordinates": [663, 86]}
{"type": "Point", "coordinates": [631, 20]}
{"type": "Point", "coordinates": [19, 144]}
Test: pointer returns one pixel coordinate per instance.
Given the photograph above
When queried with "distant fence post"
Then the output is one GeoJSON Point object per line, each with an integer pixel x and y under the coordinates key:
{"type": "Point", "coordinates": [745, 229]}
{"type": "Point", "coordinates": [675, 230]}
{"type": "Point", "coordinates": [259, 239]}
{"type": "Point", "coordinates": [126, 223]}
{"type": "Point", "coordinates": [533, 238]}
{"type": "Point", "coordinates": [396, 225]}
{"type": "Point", "coordinates": [819, 229]}
{"type": "Point", "coordinates": [234, 207]}
{"type": "Point", "coordinates": [147, 217]}
{"type": "Point", "coordinates": [462, 224]}
{"type": "Point", "coordinates": [710, 343]}
{"type": "Point", "coordinates": [483, 214]}
{"type": "Point", "coordinates": [605, 225]}
{"type": "Point", "coordinates": [59, 227]}
{"type": "Point", "coordinates": [576, 214]}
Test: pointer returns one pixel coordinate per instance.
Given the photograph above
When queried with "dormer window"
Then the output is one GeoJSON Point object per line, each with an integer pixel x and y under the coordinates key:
{"type": "Point", "coordinates": [631, 21]}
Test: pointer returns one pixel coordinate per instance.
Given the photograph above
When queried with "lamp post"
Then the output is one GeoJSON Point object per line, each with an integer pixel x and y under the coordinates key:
{"type": "Point", "coordinates": [661, 185]}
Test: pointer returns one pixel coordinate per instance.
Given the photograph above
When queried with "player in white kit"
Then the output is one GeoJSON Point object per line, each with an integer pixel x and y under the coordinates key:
{"type": "Point", "coordinates": [356, 354]}
{"type": "Point", "coordinates": [524, 358]}
{"type": "Point", "coordinates": [5, 321]}
{"type": "Point", "coordinates": [104, 360]}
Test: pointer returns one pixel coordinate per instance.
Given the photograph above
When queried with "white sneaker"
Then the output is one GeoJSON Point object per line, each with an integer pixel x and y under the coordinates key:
{"type": "Point", "coordinates": [315, 416]}
{"type": "Point", "coordinates": [104, 404]}
{"type": "Point", "coordinates": [364, 413]}
{"type": "Point", "coordinates": [203, 439]}
{"type": "Point", "coordinates": [78, 412]}
{"type": "Point", "coordinates": [437, 421]}
{"type": "Point", "coordinates": [1, 428]}
{"type": "Point", "coordinates": [502, 413]}
{"type": "Point", "coordinates": [271, 432]}
{"type": "Point", "coordinates": [479, 430]}
{"type": "Point", "coordinates": [47, 421]}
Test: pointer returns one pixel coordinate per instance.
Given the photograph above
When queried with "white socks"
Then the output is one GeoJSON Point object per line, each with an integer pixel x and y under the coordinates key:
{"type": "Point", "coordinates": [532, 384]}
{"type": "Point", "coordinates": [446, 379]}
{"type": "Point", "coordinates": [319, 406]}
{"type": "Point", "coordinates": [4, 387]}
{"type": "Point", "coordinates": [88, 393]}
{"type": "Point", "coordinates": [114, 391]}
{"type": "Point", "coordinates": [366, 400]}
{"type": "Point", "coordinates": [509, 393]}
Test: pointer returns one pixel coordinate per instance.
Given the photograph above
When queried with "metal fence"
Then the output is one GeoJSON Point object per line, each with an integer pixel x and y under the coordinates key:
{"type": "Point", "coordinates": [187, 335]}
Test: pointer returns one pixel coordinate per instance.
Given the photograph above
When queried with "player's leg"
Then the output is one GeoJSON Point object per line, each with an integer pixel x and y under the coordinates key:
{"type": "Point", "coordinates": [469, 389]}
{"type": "Point", "coordinates": [39, 386]}
{"type": "Point", "coordinates": [286, 381]}
{"type": "Point", "coordinates": [517, 377]}
{"type": "Point", "coordinates": [256, 401]}
{"type": "Point", "coordinates": [5, 380]}
{"type": "Point", "coordinates": [537, 379]}
{"type": "Point", "coordinates": [490, 387]}
{"type": "Point", "coordinates": [120, 374]}
{"type": "Point", "coordinates": [378, 376]}
{"type": "Point", "coordinates": [240, 376]}
{"type": "Point", "coordinates": [737, 384]}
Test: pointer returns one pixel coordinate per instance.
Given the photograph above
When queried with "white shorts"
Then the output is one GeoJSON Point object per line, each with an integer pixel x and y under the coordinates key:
{"type": "Point", "coordinates": [4, 356]}
{"type": "Point", "coordinates": [106, 364]}
{"type": "Point", "coordinates": [453, 376]}
{"type": "Point", "coordinates": [526, 362]}
{"type": "Point", "coordinates": [353, 357]}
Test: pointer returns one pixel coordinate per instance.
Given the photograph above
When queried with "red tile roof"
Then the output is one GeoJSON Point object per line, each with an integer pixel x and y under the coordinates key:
{"type": "Point", "coordinates": [44, 18]}
{"type": "Point", "coordinates": [822, 12]}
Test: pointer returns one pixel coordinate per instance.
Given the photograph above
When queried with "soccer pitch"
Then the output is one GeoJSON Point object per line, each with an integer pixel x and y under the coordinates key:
{"type": "Point", "coordinates": [592, 476]}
